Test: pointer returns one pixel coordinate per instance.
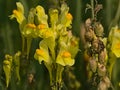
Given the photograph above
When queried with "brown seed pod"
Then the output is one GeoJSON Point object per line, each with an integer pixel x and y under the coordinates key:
{"type": "Point", "coordinates": [102, 56]}
{"type": "Point", "coordinates": [98, 29]}
{"type": "Point", "coordinates": [101, 70]}
{"type": "Point", "coordinates": [89, 35]}
{"type": "Point", "coordinates": [93, 64]}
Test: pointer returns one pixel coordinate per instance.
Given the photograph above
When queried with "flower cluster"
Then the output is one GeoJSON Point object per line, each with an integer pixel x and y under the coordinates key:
{"type": "Point", "coordinates": [58, 46]}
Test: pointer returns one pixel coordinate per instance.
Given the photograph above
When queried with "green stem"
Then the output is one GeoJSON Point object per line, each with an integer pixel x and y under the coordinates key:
{"type": "Point", "coordinates": [29, 41]}
{"type": "Point", "coordinates": [117, 17]}
{"type": "Point", "coordinates": [23, 44]}
{"type": "Point", "coordinates": [92, 9]}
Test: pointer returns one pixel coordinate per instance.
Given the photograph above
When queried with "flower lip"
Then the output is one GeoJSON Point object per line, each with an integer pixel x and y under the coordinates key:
{"type": "Point", "coordinates": [30, 25]}
{"type": "Point", "coordinates": [69, 16]}
{"type": "Point", "coordinates": [39, 51]}
{"type": "Point", "coordinates": [15, 12]}
{"type": "Point", "coordinates": [117, 46]}
{"type": "Point", "coordinates": [66, 54]}
{"type": "Point", "coordinates": [41, 26]}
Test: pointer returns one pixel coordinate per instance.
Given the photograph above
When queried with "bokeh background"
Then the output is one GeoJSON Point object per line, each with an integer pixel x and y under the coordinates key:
{"type": "Point", "coordinates": [10, 39]}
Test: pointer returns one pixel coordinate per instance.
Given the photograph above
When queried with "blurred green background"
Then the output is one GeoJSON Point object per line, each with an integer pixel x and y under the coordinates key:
{"type": "Point", "coordinates": [10, 39]}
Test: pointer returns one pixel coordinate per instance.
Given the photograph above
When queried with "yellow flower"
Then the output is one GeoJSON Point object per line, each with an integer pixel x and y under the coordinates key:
{"type": "Point", "coordinates": [29, 30]}
{"type": "Point", "coordinates": [116, 48]}
{"type": "Point", "coordinates": [19, 13]}
{"type": "Point", "coordinates": [114, 38]}
{"type": "Point", "coordinates": [42, 55]}
{"type": "Point", "coordinates": [64, 59]}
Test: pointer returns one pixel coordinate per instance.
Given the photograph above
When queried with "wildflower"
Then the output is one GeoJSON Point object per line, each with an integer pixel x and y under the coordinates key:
{"type": "Point", "coordinates": [64, 58]}
{"type": "Point", "coordinates": [42, 55]}
{"type": "Point", "coordinates": [114, 38]}
{"type": "Point", "coordinates": [29, 30]}
{"type": "Point", "coordinates": [19, 13]}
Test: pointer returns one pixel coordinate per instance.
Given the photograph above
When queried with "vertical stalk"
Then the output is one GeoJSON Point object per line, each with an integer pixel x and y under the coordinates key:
{"type": "Point", "coordinates": [117, 16]}
{"type": "Point", "coordinates": [92, 9]}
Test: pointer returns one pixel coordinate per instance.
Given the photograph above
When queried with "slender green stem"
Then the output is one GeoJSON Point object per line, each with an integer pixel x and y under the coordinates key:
{"type": "Point", "coordinates": [23, 44]}
{"type": "Point", "coordinates": [117, 17]}
{"type": "Point", "coordinates": [29, 41]}
{"type": "Point", "coordinates": [92, 9]}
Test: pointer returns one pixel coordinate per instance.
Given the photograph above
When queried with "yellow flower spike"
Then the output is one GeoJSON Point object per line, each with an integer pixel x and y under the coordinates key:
{"type": "Point", "coordinates": [69, 16]}
{"type": "Point", "coordinates": [66, 54]}
{"type": "Point", "coordinates": [30, 25]}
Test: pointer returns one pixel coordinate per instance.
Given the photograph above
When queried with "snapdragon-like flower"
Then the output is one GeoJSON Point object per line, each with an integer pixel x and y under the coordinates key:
{"type": "Point", "coordinates": [114, 38]}
{"type": "Point", "coordinates": [18, 13]}
{"type": "Point", "coordinates": [64, 59]}
{"type": "Point", "coordinates": [29, 30]}
{"type": "Point", "coordinates": [42, 55]}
